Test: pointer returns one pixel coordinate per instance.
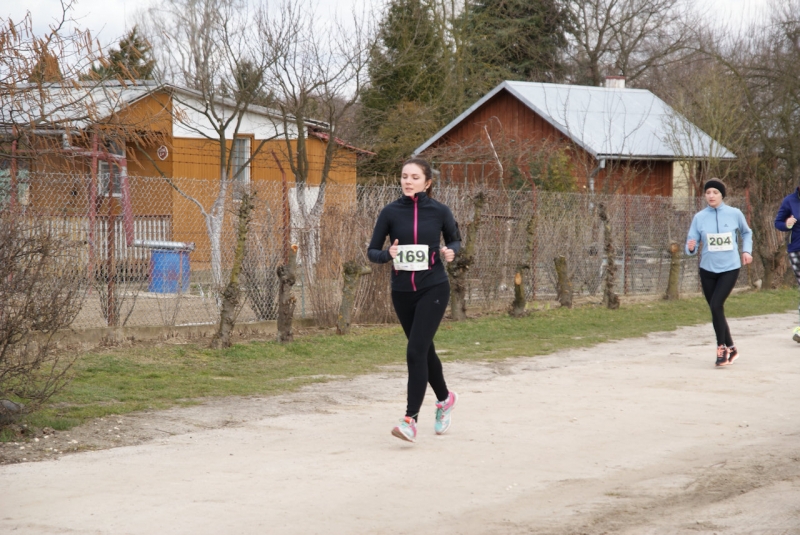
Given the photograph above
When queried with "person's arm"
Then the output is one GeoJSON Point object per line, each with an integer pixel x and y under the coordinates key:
{"type": "Point", "coordinates": [693, 237]}
{"type": "Point", "coordinates": [452, 236]}
{"type": "Point", "coordinates": [747, 237]}
{"type": "Point", "coordinates": [375, 251]}
{"type": "Point", "coordinates": [784, 213]}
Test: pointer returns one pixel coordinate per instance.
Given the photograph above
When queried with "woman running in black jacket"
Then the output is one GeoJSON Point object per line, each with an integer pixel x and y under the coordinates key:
{"type": "Point", "coordinates": [415, 224]}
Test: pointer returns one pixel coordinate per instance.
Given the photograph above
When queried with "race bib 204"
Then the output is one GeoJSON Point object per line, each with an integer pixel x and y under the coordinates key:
{"type": "Point", "coordinates": [720, 242]}
{"type": "Point", "coordinates": [411, 258]}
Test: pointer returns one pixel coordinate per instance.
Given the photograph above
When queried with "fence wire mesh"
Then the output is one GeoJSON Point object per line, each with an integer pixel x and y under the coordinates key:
{"type": "Point", "coordinates": [158, 254]}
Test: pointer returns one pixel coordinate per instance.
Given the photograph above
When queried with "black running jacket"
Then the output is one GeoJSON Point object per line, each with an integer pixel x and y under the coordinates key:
{"type": "Point", "coordinates": [415, 220]}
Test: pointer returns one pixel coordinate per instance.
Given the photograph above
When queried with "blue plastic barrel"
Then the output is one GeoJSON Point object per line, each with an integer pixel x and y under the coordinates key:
{"type": "Point", "coordinates": [169, 270]}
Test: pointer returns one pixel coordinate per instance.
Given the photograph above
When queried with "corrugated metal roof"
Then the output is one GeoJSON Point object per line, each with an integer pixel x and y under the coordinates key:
{"type": "Point", "coordinates": [75, 105]}
{"type": "Point", "coordinates": [608, 123]}
{"type": "Point", "coordinates": [81, 104]}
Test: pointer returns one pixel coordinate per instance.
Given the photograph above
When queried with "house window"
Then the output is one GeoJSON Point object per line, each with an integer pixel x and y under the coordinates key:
{"type": "Point", "coordinates": [21, 180]}
{"type": "Point", "coordinates": [110, 172]}
{"type": "Point", "coordinates": [240, 166]}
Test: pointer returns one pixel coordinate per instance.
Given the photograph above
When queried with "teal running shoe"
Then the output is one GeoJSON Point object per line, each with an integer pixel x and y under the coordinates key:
{"type": "Point", "coordinates": [406, 429]}
{"type": "Point", "coordinates": [443, 411]}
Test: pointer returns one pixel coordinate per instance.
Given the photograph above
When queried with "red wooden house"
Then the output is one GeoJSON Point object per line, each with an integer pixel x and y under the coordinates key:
{"type": "Point", "coordinates": [615, 139]}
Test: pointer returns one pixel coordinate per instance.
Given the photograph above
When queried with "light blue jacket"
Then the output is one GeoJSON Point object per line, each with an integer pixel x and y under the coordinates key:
{"type": "Point", "coordinates": [719, 220]}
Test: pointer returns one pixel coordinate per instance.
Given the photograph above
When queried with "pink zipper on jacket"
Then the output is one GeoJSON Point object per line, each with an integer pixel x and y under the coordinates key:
{"type": "Point", "coordinates": [413, 284]}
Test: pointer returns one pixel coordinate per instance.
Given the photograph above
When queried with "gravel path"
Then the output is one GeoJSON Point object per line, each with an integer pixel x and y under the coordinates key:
{"type": "Point", "coordinates": [640, 436]}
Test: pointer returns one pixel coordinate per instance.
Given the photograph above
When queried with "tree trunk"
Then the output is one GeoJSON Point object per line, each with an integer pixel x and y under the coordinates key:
{"type": "Point", "coordinates": [458, 270]}
{"type": "Point", "coordinates": [286, 301]}
{"type": "Point", "coordinates": [674, 278]}
{"type": "Point", "coordinates": [214, 220]}
{"type": "Point", "coordinates": [352, 272]}
{"type": "Point", "coordinates": [767, 246]}
{"type": "Point", "coordinates": [519, 304]}
{"type": "Point", "coordinates": [459, 267]}
{"type": "Point", "coordinates": [308, 237]}
{"type": "Point", "coordinates": [610, 298]}
{"type": "Point", "coordinates": [232, 295]}
{"type": "Point", "coordinates": [564, 284]}
{"type": "Point", "coordinates": [771, 260]}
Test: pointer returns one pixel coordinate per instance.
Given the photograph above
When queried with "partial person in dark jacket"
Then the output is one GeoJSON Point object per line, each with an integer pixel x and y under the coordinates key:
{"type": "Point", "coordinates": [785, 221]}
{"type": "Point", "coordinates": [415, 224]}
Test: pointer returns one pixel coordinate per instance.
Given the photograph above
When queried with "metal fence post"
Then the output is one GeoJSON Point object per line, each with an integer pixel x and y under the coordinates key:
{"type": "Point", "coordinates": [534, 243]}
{"type": "Point", "coordinates": [626, 267]}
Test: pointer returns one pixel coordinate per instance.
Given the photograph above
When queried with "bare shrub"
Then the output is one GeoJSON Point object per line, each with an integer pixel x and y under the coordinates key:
{"type": "Point", "coordinates": [340, 225]}
{"type": "Point", "coordinates": [373, 299]}
{"type": "Point", "coordinates": [265, 252]}
{"type": "Point", "coordinates": [118, 288]}
{"type": "Point", "coordinates": [42, 285]}
{"type": "Point", "coordinates": [373, 302]}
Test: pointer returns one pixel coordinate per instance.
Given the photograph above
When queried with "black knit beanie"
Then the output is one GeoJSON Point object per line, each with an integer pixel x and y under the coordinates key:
{"type": "Point", "coordinates": [715, 183]}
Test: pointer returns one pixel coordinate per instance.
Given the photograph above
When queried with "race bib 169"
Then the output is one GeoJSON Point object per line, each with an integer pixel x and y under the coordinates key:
{"type": "Point", "coordinates": [411, 258]}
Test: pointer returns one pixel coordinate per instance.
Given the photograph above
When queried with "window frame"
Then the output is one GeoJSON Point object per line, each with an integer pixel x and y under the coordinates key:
{"type": "Point", "coordinates": [104, 177]}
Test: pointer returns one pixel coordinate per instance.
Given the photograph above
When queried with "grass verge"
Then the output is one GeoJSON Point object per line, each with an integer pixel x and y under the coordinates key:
{"type": "Point", "coordinates": [124, 380]}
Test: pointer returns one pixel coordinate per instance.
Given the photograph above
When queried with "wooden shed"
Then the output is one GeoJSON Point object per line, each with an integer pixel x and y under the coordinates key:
{"type": "Point", "coordinates": [613, 139]}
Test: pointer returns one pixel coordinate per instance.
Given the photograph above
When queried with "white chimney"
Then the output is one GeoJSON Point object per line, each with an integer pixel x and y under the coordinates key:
{"type": "Point", "coordinates": [615, 82]}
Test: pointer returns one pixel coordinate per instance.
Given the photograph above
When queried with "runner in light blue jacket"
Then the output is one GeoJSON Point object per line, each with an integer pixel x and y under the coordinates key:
{"type": "Point", "coordinates": [718, 227]}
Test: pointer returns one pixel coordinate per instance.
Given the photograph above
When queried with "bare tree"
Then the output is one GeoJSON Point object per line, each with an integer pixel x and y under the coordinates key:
{"type": "Point", "coordinates": [625, 37]}
{"type": "Point", "coordinates": [45, 109]}
{"type": "Point", "coordinates": [771, 70]}
{"type": "Point", "coordinates": [746, 91]}
{"type": "Point", "coordinates": [212, 48]}
{"type": "Point", "coordinates": [610, 298]}
{"type": "Point", "coordinates": [232, 293]}
{"type": "Point", "coordinates": [714, 102]}
{"type": "Point", "coordinates": [52, 118]}
{"type": "Point", "coordinates": [316, 78]}
{"type": "Point", "coordinates": [458, 269]}
{"type": "Point", "coordinates": [41, 283]}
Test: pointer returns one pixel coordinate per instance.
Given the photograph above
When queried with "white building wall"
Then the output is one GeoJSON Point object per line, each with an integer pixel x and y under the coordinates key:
{"type": "Point", "coordinates": [190, 123]}
{"type": "Point", "coordinates": [682, 194]}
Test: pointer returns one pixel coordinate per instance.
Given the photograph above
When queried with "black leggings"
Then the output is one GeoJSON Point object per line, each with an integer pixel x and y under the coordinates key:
{"type": "Point", "coordinates": [717, 287]}
{"type": "Point", "coordinates": [420, 314]}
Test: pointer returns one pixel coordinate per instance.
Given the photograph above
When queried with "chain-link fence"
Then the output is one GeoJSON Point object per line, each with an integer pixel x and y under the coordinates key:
{"type": "Point", "coordinates": [158, 252]}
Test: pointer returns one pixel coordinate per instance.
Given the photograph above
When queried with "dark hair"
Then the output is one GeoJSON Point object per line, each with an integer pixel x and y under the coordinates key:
{"type": "Point", "coordinates": [426, 170]}
{"type": "Point", "coordinates": [717, 184]}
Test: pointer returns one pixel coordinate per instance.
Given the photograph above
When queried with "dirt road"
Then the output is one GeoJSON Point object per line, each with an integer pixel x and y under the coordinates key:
{"type": "Point", "coordinates": [641, 436]}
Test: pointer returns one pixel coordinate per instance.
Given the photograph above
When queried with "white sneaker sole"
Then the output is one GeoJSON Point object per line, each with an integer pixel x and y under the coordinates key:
{"type": "Point", "coordinates": [450, 422]}
{"type": "Point", "coordinates": [399, 434]}
{"type": "Point", "coordinates": [443, 431]}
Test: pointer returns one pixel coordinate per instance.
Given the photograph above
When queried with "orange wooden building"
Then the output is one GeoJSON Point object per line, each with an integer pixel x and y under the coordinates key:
{"type": "Point", "coordinates": [148, 151]}
{"type": "Point", "coordinates": [616, 139]}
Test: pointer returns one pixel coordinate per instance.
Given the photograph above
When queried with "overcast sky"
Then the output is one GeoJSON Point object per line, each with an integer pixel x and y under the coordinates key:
{"type": "Point", "coordinates": [109, 19]}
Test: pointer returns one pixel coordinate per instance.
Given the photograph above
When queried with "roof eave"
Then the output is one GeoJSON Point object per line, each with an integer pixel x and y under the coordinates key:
{"type": "Point", "coordinates": [508, 87]}
{"type": "Point", "coordinates": [662, 157]}
{"type": "Point", "coordinates": [452, 124]}
{"type": "Point", "coordinates": [152, 86]}
{"type": "Point", "coordinates": [255, 108]}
